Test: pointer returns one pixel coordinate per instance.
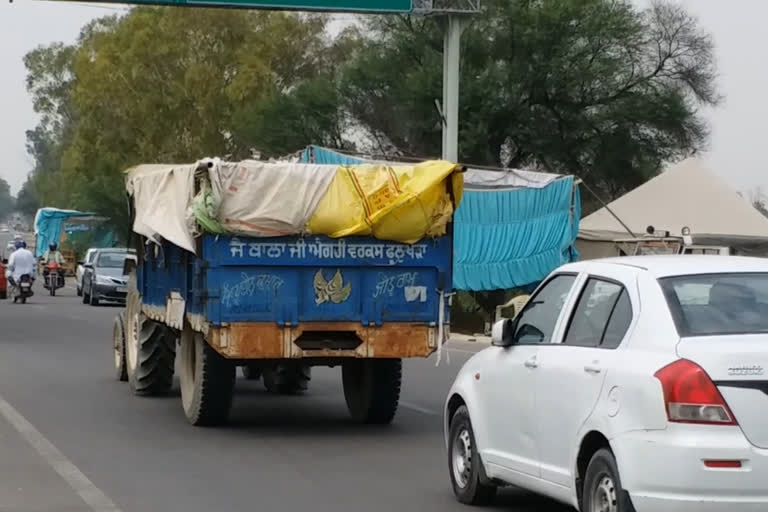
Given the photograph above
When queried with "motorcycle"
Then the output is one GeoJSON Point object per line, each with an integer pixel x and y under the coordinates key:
{"type": "Point", "coordinates": [54, 279]}
{"type": "Point", "coordinates": [22, 290]}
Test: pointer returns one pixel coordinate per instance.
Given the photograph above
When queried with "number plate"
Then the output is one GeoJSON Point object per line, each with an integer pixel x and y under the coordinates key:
{"type": "Point", "coordinates": [122, 289]}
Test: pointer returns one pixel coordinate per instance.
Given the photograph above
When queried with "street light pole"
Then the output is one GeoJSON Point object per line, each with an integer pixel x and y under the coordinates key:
{"type": "Point", "coordinates": [454, 26]}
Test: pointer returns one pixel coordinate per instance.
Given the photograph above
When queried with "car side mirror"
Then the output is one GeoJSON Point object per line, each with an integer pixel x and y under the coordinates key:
{"type": "Point", "coordinates": [503, 333]}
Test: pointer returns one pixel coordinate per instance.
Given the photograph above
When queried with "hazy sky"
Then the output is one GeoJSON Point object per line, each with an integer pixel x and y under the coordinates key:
{"type": "Point", "coordinates": [738, 133]}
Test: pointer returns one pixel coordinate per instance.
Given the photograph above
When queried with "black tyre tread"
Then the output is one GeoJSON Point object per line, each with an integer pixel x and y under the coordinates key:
{"type": "Point", "coordinates": [118, 338]}
{"type": "Point", "coordinates": [381, 380]}
{"type": "Point", "coordinates": [155, 360]}
{"type": "Point", "coordinates": [92, 298]}
{"type": "Point", "coordinates": [214, 393]}
{"type": "Point", "coordinates": [288, 379]}
{"type": "Point", "coordinates": [476, 493]}
{"type": "Point", "coordinates": [602, 460]}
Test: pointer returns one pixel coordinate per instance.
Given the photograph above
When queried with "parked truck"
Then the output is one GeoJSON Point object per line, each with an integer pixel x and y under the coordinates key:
{"type": "Point", "coordinates": [277, 268]}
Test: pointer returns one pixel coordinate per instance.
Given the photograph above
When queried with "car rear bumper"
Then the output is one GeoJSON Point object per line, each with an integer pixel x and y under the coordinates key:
{"type": "Point", "coordinates": [109, 293]}
{"type": "Point", "coordinates": [665, 471]}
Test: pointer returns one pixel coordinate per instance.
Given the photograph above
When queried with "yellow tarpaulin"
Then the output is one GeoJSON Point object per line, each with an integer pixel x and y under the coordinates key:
{"type": "Point", "coordinates": [401, 203]}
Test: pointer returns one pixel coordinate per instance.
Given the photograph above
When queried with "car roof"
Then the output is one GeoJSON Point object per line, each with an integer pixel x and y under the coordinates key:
{"type": "Point", "coordinates": [678, 264]}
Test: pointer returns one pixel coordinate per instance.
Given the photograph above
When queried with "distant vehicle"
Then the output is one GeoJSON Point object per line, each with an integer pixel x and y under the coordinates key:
{"type": "Point", "coordinates": [104, 279]}
{"type": "Point", "coordinates": [53, 279]}
{"type": "Point", "coordinates": [22, 290]}
{"type": "Point", "coordinates": [627, 384]}
{"type": "Point", "coordinates": [80, 272]}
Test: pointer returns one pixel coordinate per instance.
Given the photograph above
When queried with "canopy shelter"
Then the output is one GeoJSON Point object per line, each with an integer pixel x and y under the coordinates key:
{"type": "Point", "coordinates": [56, 225]}
{"type": "Point", "coordinates": [686, 195]}
{"type": "Point", "coordinates": [511, 229]}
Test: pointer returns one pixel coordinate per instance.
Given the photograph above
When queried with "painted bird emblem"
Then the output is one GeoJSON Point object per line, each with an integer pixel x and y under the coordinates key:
{"type": "Point", "coordinates": [331, 291]}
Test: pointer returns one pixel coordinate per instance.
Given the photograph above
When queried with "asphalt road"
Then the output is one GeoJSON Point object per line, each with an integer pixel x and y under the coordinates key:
{"type": "Point", "coordinates": [74, 439]}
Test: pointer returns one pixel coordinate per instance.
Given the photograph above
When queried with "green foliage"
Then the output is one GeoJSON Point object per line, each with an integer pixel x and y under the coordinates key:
{"type": "Point", "coordinates": [174, 85]}
{"type": "Point", "coordinates": [6, 199]}
{"type": "Point", "coordinates": [595, 88]}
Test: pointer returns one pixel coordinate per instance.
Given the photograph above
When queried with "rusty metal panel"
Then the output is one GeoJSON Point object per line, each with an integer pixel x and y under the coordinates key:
{"type": "Point", "coordinates": [256, 340]}
{"type": "Point", "coordinates": [399, 340]}
{"type": "Point", "coordinates": [248, 341]}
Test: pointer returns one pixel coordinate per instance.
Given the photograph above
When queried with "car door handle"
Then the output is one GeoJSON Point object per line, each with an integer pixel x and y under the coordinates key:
{"type": "Point", "coordinates": [531, 363]}
{"type": "Point", "coordinates": [593, 369]}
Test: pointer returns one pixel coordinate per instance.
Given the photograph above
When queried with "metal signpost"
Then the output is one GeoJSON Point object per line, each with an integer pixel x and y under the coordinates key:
{"type": "Point", "coordinates": [456, 15]}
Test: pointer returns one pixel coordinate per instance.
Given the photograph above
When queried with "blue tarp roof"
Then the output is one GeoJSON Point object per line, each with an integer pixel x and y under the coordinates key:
{"type": "Point", "coordinates": [48, 226]}
{"type": "Point", "coordinates": [506, 238]}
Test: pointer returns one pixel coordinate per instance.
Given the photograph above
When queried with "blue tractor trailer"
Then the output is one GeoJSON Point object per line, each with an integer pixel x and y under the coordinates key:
{"type": "Point", "coordinates": [266, 290]}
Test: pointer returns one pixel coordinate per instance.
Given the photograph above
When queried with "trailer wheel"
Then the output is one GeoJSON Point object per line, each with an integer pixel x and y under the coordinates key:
{"type": "Point", "coordinates": [150, 353]}
{"type": "Point", "coordinates": [207, 381]}
{"type": "Point", "coordinates": [118, 347]}
{"type": "Point", "coordinates": [251, 372]}
{"type": "Point", "coordinates": [287, 379]}
{"type": "Point", "coordinates": [372, 389]}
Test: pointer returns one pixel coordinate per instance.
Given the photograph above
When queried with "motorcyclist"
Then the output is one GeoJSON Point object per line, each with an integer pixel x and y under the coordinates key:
{"type": "Point", "coordinates": [21, 262]}
{"type": "Point", "coordinates": [52, 255]}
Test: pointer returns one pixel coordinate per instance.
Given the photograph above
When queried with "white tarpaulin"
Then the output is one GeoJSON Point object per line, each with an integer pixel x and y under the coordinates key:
{"type": "Point", "coordinates": [510, 179]}
{"type": "Point", "coordinates": [252, 198]}
{"type": "Point", "coordinates": [161, 195]}
{"type": "Point", "coordinates": [268, 199]}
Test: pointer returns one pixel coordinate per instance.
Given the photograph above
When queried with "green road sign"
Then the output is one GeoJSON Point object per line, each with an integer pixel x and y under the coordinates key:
{"type": "Point", "coordinates": [363, 6]}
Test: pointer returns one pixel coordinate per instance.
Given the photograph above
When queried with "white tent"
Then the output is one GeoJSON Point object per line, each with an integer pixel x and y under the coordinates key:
{"type": "Point", "coordinates": [688, 194]}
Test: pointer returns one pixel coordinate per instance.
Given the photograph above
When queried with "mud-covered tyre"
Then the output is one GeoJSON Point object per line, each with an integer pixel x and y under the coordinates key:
{"type": "Point", "coordinates": [251, 372]}
{"type": "Point", "coordinates": [464, 464]}
{"type": "Point", "coordinates": [372, 389]}
{"type": "Point", "coordinates": [118, 348]}
{"type": "Point", "coordinates": [207, 381]}
{"type": "Point", "coordinates": [287, 379]}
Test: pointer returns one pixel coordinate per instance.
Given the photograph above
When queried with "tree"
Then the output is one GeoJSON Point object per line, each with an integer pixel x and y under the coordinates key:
{"type": "Point", "coordinates": [175, 85]}
{"type": "Point", "coordinates": [596, 88]}
{"type": "Point", "coordinates": [6, 200]}
{"type": "Point", "coordinates": [27, 201]}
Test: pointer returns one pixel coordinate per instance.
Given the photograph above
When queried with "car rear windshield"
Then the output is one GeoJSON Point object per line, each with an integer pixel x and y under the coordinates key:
{"type": "Point", "coordinates": [718, 304]}
{"type": "Point", "coordinates": [111, 260]}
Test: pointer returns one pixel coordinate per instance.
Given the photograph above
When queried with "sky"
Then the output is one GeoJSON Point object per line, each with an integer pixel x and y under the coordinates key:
{"type": "Point", "coordinates": [738, 132]}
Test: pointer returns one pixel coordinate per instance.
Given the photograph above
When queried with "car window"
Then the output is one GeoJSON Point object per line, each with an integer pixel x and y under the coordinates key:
{"type": "Point", "coordinates": [91, 255]}
{"type": "Point", "coordinates": [592, 313]}
{"type": "Point", "coordinates": [111, 260]}
{"type": "Point", "coordinates": [537, 320]}
{"type": "Point", "coordinates": [619, 323]}
{"type": "Point", "coordinates": [718, 304]}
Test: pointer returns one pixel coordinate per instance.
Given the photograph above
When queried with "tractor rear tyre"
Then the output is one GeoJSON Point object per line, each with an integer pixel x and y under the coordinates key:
{"type": "Point", "coordinates": [372, 389]}
{"type": "Point", "coordinates": [207, 381]}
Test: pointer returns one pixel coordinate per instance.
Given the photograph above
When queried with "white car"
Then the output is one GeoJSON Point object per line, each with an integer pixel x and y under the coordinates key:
{"type": "Point", "coordinates": [89, 255]}
{"type": "Point", "coordinates": [628, 384]}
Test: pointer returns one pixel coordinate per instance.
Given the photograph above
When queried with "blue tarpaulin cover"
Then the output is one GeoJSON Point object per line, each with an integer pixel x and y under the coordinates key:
{"type": "Point", "coordinates": [504, 238]}
{"type": "Point", "coordinates": [49, 223]}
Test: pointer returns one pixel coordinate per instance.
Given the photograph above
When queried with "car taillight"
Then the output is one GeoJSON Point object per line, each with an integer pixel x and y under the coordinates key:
{"type": "Point", "coordinates": [690, 395]}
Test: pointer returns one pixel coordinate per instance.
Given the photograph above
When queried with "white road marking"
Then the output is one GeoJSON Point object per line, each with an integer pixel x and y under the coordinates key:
{"type": "Point", "coordinates": [90, 494]}
{"type": "Point", "coordinates": [418, 408]}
